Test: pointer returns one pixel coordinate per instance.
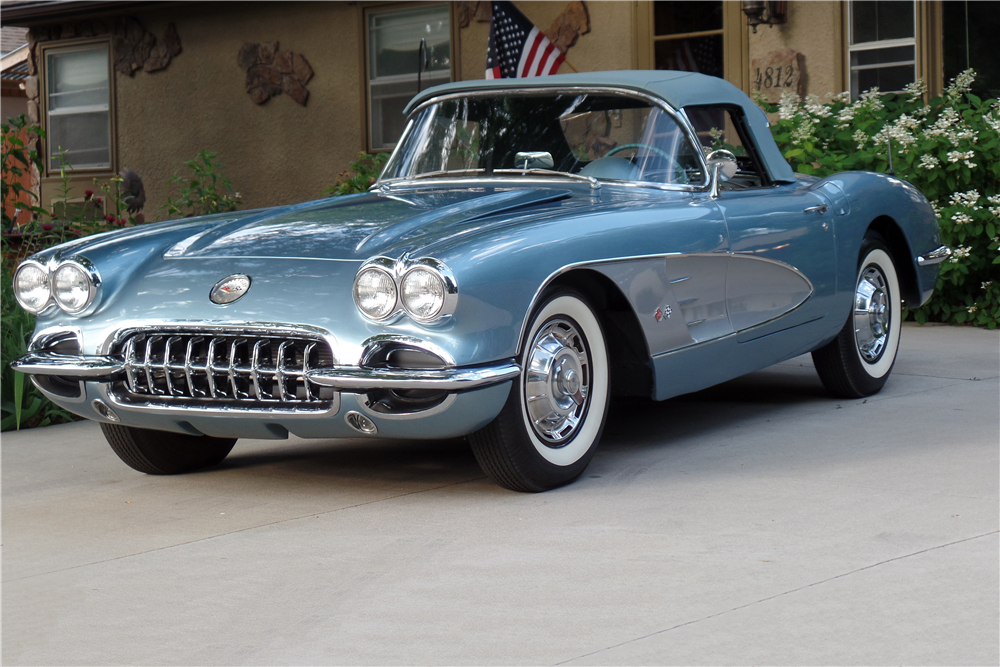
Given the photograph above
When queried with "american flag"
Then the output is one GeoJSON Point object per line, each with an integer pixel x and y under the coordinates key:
{"type": "Point", "coordinates": [517, 48]}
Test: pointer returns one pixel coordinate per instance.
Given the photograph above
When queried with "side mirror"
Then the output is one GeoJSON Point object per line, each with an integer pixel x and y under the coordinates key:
{"type": "Point", "coordinates": [722, 165]}
{"type": "Point", "coordinates": [533, 160]}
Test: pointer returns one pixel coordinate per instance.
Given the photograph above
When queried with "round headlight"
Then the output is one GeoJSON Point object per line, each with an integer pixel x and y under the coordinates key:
{"type": "Point", "coordinates": [31, 288]}
{"type": "Point", "coordinates": [72, 288]}
{"type": "Point", "coordinates": [375, 293]}
{"type": "Point", "coordinates": [423, 293]}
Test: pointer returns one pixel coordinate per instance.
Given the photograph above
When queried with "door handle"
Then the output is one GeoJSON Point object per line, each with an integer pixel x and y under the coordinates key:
{"type": "Point", "coordinates": [822, 208]}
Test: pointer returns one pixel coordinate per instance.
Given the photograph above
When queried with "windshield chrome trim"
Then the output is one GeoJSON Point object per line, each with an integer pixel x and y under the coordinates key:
{"type": "Point", "coordinates": [662, 104]}
{"type": "Point", "coordinates": [515, 181]}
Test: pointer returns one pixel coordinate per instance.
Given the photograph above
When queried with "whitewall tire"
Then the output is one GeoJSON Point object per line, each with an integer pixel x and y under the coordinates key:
{"type": "Point", "coordinates": [858, 361]}
{"type": "Point", "coordinates": [549, 428]}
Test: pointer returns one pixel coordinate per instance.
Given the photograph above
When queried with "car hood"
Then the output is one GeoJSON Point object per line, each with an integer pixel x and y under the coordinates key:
{"type": "Point", "coordinates": [374, 223]}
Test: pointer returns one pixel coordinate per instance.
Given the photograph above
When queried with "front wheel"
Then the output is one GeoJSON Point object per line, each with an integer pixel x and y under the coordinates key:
{"type": "Point", "coordinates": [858, 361]}
{"type": "Point", "coordinates": [165, 453]}
{"type": "Point", "coordinates": [548, 430]}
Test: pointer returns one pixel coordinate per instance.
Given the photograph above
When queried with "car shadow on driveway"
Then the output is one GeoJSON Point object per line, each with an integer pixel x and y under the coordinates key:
{"type": "Point", "coordinates": [633, 424]}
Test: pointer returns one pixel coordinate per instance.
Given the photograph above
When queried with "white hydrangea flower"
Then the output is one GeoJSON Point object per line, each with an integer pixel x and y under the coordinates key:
{"type": "Point", "coordinates": [915, 89]}
{"type": "Point", "coordinates": [929, 162]}
{"type": "Point", "coordinates": [957, 156]}
{"type": "Point", "coordinates": [844, 97]}
{"type": "Point", "coordinates": [816, 107]}
{"type": "Point", "coordinates": [860, 138]}
{"type": "Point", "coordinates": [993, 118]}
{"type": "Point", "coordinates": [994, 199]}
{"type": "Point", "coordinates": [972, 309]}
{"type": "Point", "coordinates": [987, 284]}
{"type": "Point", "coordinates": [960, 84]}
{"type": "Point", "coordinates": [960, 253]}
{"type": "Point", "coordinates": [788, 105]}
{"type": "Point", "coordinates": [872, 99]}
{"type": "Point", "coordinates": [970, 198]}
{"type": "Point", "coordinates": [804, 130]}
{"type": "Point", "coordinates": [960, 218]}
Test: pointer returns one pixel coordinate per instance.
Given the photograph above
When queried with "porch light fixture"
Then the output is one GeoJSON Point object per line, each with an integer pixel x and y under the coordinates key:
{"type": "Point", "coordinates": [770, 12]}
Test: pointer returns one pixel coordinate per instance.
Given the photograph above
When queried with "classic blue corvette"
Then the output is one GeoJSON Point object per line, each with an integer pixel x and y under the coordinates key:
{"type": "Point", "coordinates": [532, 248]}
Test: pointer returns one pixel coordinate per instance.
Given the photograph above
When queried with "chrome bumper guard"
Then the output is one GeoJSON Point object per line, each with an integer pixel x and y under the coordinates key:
{"type": "Point", "coordinates": [935, 256]}
{"type": "Point", "coordinates": [344, 378]}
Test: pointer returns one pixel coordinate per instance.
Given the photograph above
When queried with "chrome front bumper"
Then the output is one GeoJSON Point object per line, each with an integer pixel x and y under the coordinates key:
{"type": "Point", "coordinates": [343, 378]}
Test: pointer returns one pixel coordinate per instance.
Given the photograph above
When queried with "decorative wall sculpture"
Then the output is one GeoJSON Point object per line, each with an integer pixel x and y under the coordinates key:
{"type": "Point", "coordinates": [135, 47]}
{"type": "Point", "coordinates": [271, 72]}
{"type": "Point", "coordinates": [564, 31]}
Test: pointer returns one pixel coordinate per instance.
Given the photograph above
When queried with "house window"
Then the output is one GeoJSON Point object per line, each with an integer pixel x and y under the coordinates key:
{"type": "Point", "coordinates": [968, 32]}
{"type": "Point", "coordinates": [77, 106]}
{"type": "Point", "coordinates": [882, 45]}
{"type": "Point", "coordinates": [395, 70]}
{"type": "Point", "coordinates": [688, 36]}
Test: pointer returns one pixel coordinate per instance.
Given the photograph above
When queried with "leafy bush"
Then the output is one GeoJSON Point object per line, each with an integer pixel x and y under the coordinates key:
{"type": "Point", "coordinates": [949, 148]}
{"type": "Point", "coordinates": [209, 191]}
{"type": "Point", "coordinates": [366, 170]}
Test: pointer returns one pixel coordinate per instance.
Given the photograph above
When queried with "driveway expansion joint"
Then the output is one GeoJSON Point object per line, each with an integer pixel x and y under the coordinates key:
{"type": "Point", "coordinates": [776, 596]}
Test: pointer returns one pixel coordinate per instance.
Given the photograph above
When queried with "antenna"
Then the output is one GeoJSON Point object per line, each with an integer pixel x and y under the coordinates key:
{"type": "Point", "coordinates": [888, 141]}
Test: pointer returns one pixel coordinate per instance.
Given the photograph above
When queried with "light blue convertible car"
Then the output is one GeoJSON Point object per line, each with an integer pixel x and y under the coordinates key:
{"type": "Point", "coordinates": [532, 248]}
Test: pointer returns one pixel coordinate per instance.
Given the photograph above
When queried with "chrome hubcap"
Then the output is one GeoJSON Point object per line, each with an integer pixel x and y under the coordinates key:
{"type": "Point", "coordinates": [871, 314]}
{"type": "Point", "coordinates": [557, 382]}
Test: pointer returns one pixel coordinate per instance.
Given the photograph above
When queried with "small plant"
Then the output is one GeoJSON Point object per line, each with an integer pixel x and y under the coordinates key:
{"type": "Point", "coordinates": [949, 148]}
{"type": "Point", "coordinates": [366, 170]}
{"type": "Point", "coordinates": [208, 191]}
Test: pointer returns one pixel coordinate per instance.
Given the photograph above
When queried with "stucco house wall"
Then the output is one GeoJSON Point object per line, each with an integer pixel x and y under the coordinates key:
{"type": "Point", "coordinates": [274, 153]}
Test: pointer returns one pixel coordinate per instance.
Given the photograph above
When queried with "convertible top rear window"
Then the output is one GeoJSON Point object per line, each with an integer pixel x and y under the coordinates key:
{"type": "Point", "coordinates": [605, 136]}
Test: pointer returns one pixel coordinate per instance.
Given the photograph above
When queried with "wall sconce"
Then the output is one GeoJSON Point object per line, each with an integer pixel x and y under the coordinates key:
{"type": "Point", "coordinates": [770, 12]}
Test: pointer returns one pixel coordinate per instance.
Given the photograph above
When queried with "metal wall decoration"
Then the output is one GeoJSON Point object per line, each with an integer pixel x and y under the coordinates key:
{"type": "Point", "coordinates": [271, 72]}
{"type": "Point", "coordinates": [565, 30]}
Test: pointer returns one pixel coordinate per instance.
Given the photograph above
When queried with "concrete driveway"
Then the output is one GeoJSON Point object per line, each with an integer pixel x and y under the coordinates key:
{"type": "Point", "coordinates": [757, 522]}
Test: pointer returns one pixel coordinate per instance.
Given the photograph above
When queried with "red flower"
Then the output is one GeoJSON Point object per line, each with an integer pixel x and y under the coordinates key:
{"type": "Point", "coordinates": [98, 201]}
{"type": "Point", "coordinates": [47, 228]}
{"type": "Point", "coordinates": [87, 194]}
{"type": "Point", "coordinates": [109, 218]}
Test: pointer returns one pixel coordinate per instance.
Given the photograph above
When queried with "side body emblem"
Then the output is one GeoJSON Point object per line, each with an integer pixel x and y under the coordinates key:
{"type": "Point", "coordinates": [662, 313]}
{"type": "Point", "coordinates": [230, 289]}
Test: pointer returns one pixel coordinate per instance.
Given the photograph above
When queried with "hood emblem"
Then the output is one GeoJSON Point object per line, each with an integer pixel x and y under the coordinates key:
{"type": "Point", "coordinates": [230, 289]}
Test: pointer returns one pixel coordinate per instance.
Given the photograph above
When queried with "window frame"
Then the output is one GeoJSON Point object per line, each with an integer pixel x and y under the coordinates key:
{"type": "Point", "coordinates": [735, 41]}
{"type": "Point", "coordinates": [379, 8]}
{"type": "Point", "coordinates": [850, 48]}
{"type": "Point", "coordinates": [52, 171]}
{"type": "Point", "coordinates": [737, 116]}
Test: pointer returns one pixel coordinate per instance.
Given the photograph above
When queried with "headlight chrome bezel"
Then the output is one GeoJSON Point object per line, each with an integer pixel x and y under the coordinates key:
{"type": "Point", "coordinates": [49, 301]}
{"type": "Point", "coordinates": [79, 262]}
{"type": "Point", "coordinates": [381, 265]}
{"type": "Point", "coordinates": [85, 267]}
{"type": "Point", "coordinates": [397, 270]}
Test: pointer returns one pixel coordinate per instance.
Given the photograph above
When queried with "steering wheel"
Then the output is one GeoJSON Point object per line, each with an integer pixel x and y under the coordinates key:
{"type": "Point", "coordinates": [680, 176]}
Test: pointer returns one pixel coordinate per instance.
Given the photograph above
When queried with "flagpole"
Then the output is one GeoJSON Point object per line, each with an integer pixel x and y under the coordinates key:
{"type": "Point", "coordinates": [569, 65]}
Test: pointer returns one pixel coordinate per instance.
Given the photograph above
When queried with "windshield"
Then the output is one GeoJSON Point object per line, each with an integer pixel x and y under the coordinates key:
{"type": "Point", "coordinates": [605, 136]}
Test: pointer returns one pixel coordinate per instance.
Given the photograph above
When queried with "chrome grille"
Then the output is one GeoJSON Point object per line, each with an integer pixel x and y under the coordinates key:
{"type": "Point", "coordinates": [269, 371]}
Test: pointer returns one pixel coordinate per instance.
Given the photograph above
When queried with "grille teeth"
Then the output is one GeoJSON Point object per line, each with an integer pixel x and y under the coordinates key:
{"type": "Point", "coordinates": [226, 368]}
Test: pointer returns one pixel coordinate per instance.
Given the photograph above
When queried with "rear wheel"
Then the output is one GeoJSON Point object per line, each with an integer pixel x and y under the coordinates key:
{"type": "Point", "coordinates": [858, 361]}
{"type": "Point", "coordinates": [165, 453]}
{"type": "Point", "coordinates": [548, 430]}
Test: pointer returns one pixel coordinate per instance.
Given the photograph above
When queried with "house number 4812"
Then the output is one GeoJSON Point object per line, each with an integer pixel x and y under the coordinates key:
{"type": "Point", "coordinates": [775, 77]}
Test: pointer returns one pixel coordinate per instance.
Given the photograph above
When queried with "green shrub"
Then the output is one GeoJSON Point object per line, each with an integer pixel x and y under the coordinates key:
{"type": "Point", "coordinates": [949, 148]}
{"type": "Point", "coordinates": [366, 170]}
{"type": "Point", "coordinates": [208, 191]}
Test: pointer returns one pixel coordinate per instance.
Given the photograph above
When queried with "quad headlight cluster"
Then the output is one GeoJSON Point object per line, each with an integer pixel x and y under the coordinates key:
{"type": "Point", "coordinates": [72, 285]}
{"type": "Point", "coordinates": [425, 289]}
